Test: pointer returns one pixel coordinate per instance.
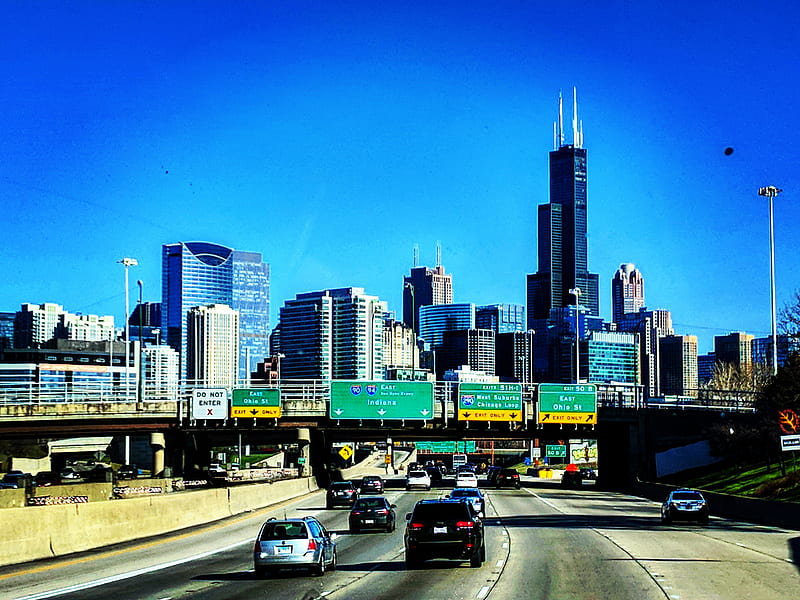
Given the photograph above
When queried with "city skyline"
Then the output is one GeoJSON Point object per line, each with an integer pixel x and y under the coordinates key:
{"type": "Point", "coordinates": [334, 154]}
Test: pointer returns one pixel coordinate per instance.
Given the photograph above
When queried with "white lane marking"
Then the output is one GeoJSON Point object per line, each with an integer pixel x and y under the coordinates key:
{"type": "Point", "coordinates": [499, 563]}
{"type": "Point", "coordinates": [129, 574]}
{"type": "Point", "coordinates": [483, 592]}
{"type": "Point", "coordinates": [505, 545]}
{"type": "Point", "coordinates": [547, 502]}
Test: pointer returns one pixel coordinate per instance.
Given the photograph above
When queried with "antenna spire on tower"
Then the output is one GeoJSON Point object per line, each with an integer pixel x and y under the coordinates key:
{"type": "Point", "coordinates": [438, 254]}
{"type": "Point", "coordinates": [560, 120]}
{"type": "Point", "coordinates": [416, 255]}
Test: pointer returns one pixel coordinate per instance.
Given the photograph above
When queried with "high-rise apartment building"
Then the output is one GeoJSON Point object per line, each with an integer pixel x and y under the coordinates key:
{"type": "Point", "coordinates": [651, 326]}
{"type": "Point", "coordinates": [7, 329]}
{"type": "Point", "coordinates": [36, 324]}
{"type": "Point", "coordinates": [161, 372]}
{"type": "Point", "coordinates": [678, 359]}
{"type": "Point", "coordinates": [425, 287]}
{"type": "Point", "coordinates": [212, 357]}
{"type": "Point", "coordinates": [332, 334]}
{"type": "Point", "coordinates": [514, 356]}
{"type": "Point", "coordinates": [202, 273]}
{"type": "Point", "coordinates": [471, 347]}
{"type": "Point", "coordinates": [399, 346]}
{"type": "Point", "coordinates": [736, 348]}
{"type": "Point", "coordinates": [500, 318]}
{"type": "Point", "coordinates": [762, 349]}
{"type": "Point", "coordinates": [562, 246]}
{"type": "Point", "coordinates": [627, 291]}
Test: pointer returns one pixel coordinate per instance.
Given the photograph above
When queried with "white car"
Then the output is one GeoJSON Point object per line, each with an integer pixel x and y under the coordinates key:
{"type": "Point", "coordinates": [466, 479]}
{"type": "Point", "coordinates": [418, 479]}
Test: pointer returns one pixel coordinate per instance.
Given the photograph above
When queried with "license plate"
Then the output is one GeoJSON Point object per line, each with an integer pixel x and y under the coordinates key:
{"type": "Point", "coordinates": [440, 530]}
{"type": "Point", "coordinates": [369, 521]}
{"type": "Point", "coordinates": [283, 549]}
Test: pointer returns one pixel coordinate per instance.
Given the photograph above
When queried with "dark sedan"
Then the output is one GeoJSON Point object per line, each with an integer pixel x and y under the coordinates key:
{"type": "Point", "coordinates": [341, 493]}
{"type": "Point", "coordinates": [372, 512]}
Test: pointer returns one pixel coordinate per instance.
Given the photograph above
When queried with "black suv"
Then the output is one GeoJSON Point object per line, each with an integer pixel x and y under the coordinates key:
{"type": "Point", "coordinates": [507, 477]}
{"type": "Point", "coordinates": [371, 484]}
{"type": "Point", "coordinates": [444, 529]}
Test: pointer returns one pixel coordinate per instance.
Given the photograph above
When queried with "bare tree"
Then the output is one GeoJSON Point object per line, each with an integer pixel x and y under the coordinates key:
{"type": "Point", "coordinates": [789, 316]}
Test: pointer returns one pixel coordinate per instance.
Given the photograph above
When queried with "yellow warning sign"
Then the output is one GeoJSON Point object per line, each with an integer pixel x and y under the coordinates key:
{"type": "Point", "coordinates": [256, 412]}
{"type": "Point", "coordinates": [587, 418]}
{"type": "Point", "coordinates": [346, 452]}
{"type": "Point", "coordinates": [489, 415]}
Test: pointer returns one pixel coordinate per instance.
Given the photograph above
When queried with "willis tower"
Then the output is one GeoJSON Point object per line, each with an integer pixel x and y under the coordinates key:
{"type": "Point", "coordinates": [562, 248]}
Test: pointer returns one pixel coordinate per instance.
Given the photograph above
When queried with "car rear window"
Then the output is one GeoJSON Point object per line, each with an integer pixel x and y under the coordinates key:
{"type": "Point", "coordinates": [440, 512]}
{"type": "Point", "coordinates": [370, 503]}
{"type": "Point", "coordinates": [341, 486]}
{"type": "Point", "coordinates": [463, 493]}
{"type": "Point", "coordinates": [284, 531]}
{"type": "Point", "coordinates": [686, 496]}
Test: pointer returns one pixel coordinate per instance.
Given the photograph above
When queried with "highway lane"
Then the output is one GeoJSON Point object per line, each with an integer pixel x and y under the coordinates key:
{"type": "Point", "coordinates": [542, 542]}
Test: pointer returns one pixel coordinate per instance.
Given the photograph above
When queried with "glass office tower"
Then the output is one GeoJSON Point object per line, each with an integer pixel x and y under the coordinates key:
{"type": "Point", "coordinates": [562, 246]}
{"type": "Point", "coordinates": [203, 273]}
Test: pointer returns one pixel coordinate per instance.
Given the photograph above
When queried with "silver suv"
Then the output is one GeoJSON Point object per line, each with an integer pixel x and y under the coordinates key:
{"type": "Point", "coordinates": [293, 544]}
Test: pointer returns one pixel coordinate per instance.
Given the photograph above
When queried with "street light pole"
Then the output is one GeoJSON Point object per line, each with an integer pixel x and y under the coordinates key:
{"type": "Point", "coordinates": [127, 262]}
{"type": "Point", "coordinates": [577, 293]}
{"type": "Point", "coordinates": [770, 192]}
{"type": "Point", "coordinates": [411, 290]}
{"type": "Point", "coordinates": [140, 384]}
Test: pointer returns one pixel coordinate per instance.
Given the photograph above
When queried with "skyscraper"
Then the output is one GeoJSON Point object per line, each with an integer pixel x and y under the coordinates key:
{"type": "Point", "coordinates": [562, 246]}
{"type": "Point", "coordinates": [627, 291]}
{"type": "Point", "coordinates": [425, 287]}
{"type": "Point", "coordinates": [434, 320]}
{"type": "Point", "coordinates": [332, 334]}
{"type": "Point", "coordinates": [213, 345]}
{"type": "Point", "coordinates": [500, 318]}
{"type": "Point", "coordinates": [203, 273]}
{"type": "Point", "coordinates": [678, 357]}
{"type": "Point", "coordinates": [251, 300]}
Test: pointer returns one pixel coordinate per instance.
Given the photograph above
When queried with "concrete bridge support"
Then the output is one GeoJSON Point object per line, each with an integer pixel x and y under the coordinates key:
{"type": "Point", "coordinates": [304, 445]}
{"type": "Point", "coordinates": [158, 444]}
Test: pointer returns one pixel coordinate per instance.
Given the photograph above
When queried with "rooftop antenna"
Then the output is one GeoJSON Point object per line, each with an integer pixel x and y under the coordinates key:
{"type": "Point", "coordinates": [560, 120]}
{"type": "Point", "coordinates": [438, 254]}
{"type": "Point", "coordinates": [416, 255]}
{"type": "Point", "coordinates": [577, 125]}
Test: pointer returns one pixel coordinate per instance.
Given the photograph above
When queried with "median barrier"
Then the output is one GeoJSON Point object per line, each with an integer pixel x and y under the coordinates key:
{"type": "Point", "coordinates": [37, 532]}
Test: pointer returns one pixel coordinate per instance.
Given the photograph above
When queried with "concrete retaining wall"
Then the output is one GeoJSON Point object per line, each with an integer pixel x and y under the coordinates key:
{"type": "Point", "coordinates": [38, 532]}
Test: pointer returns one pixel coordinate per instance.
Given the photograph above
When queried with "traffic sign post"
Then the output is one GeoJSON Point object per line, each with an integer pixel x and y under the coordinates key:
{"type": "Point", "coordinates": [556, 451]}
{"type": "Point", "coordinates": [490, 402]}
{"type": "Point", "coordinates": [256, 403]}
{"type": "Point", "coordinates": [408, 400]}
{"type": "Point", "coordinates": [575, 403]}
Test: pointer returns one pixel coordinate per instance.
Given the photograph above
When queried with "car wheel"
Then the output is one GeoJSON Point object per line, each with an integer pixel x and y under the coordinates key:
{"type": "Point", "coordinates": [704, 520]}
{"type": "Point", "coordinates": [354, 529]}
{"type": "Point", "coordinates": [261, 572]}
{"type": "Point", "coordinates": [475, 560]}
{"type": "Point", "coordinates": [665, 520]}
{"type": "Point", "coordinates": [334, 562]}
{"type": "Point", "coordinates": [412, 560]}
{"type": "Point", "coordinates": [319, 568]}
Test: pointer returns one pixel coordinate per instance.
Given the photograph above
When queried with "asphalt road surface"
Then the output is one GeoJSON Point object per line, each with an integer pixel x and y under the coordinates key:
{"type": "Point", "coordinates": [542, 543]}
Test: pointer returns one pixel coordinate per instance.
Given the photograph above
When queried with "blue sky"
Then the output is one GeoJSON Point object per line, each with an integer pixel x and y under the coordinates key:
{"type": "Point", "coordinates": [333, 137]}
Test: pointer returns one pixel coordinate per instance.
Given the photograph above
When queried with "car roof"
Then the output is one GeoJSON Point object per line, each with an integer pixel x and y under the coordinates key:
{"type": "Point", "coordinates": [464, 490]}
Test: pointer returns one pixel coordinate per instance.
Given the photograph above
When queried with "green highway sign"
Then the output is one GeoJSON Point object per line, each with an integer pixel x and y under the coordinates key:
{"type": "Point", "coordinates": [490, 401]}
{"type": "Point", "coordinates": [409, 400]}
{"type": "Point", "coordinates": [256, 397]}
{"type": "Point", "coordinates": [257, 403]}
{"type": "Point", "coordinates": [567, 403]}
{"type": "Point", "coordinates": [555, 451]}
{"type": "Point", "coordinates": [446, 447]}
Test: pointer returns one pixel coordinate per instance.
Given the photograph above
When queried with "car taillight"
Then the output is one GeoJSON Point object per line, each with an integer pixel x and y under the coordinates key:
{"type": "Point", "coordinates": [312, 544]}
{"type": "Point", "coordinates": [257, 547]}
{"type": "Point", "coordinates": [465, 524]}
{"type": "Point", "coordinates": [415, 526]}
{"type": "Point", "coordinates": [357, 512]}
{"type": "Point", "coordinates": [381, 511]}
